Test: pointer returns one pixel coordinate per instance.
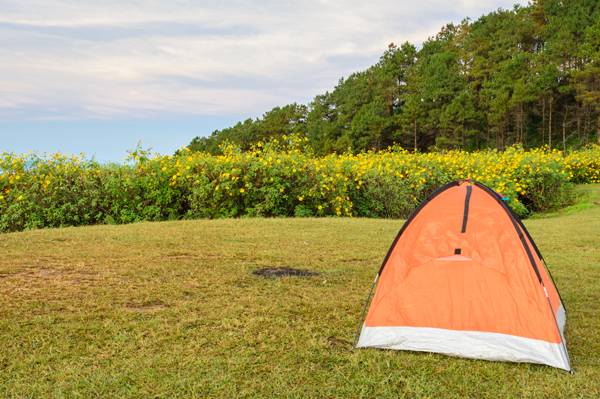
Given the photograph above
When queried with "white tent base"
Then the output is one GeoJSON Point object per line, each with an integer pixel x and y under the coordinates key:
{"type": "Point", "coordinates": [469, 344]}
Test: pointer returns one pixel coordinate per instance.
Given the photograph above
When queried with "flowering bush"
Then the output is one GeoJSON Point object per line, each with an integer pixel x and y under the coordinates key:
{"type": "Point", "coordinates": [273, 179]}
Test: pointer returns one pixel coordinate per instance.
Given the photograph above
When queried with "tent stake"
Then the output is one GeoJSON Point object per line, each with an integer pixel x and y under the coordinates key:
{"type": "Point", "coordinates": [363, 313]}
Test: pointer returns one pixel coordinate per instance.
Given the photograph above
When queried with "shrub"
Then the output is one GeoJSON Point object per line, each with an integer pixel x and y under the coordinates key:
{"type": "Point", "coordinates": [272, 179]}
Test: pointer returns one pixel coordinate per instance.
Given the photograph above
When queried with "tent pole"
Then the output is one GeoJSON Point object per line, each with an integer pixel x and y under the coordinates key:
{"type": "Point", "coordinates": [555, 287]}
{"type": "Point", "coordinates": [562, 338]}
{"type": "Point", "coordinates": [363, 313]}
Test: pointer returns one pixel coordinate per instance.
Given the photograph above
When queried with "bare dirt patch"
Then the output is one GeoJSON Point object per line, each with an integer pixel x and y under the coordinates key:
{"type": "Point", "coordinates": [336, 342]}
{"type": "Point", "coordinates": [283, 271]}
{"type": "Point", "coordinates": [145, 308]}
{"type": "Point", "coordinates": [36, 273]}
{"type": "Point", "coordinates": [187, 256]}
{"type": "Point", "coordinates": [50, 273]}
{"type": "Point", "coordinates": [180, 256]}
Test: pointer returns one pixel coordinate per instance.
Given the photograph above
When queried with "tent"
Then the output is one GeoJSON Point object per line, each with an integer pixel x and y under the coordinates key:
{"type": "Point", "coordinates": [464, 278]}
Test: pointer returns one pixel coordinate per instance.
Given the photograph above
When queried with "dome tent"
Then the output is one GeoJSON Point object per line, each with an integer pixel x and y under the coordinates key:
{"type": "Point", "coordinates": [464, 278]}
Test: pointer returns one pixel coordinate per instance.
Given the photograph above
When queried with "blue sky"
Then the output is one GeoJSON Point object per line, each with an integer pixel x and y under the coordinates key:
{"type": "Point", "coordinates": [96, 77]}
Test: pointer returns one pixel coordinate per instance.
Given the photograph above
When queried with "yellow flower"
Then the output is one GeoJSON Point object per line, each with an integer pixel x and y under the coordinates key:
{"type": "Point", "coordinates": [20, 197]}
{"type": "Point", "coordinates": [300, 198]}
{"type": "Point", "coordinates": [320, 207]}
{"type": "Point", "coordinates": [216, 188]}
{"type": "Point", "coordinates": [241, 190]}
{"type": "Point", "coordinates": [137, 157]}
{"type": "Point", "coordinates": [1, 197]}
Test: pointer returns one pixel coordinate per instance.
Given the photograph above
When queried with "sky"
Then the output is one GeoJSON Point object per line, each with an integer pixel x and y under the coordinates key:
{"type": "Point", "coordinates": [97, 76]}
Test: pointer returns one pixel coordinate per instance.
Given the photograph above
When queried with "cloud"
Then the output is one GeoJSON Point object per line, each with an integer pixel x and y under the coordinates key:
{"type": "Point", "coordinates": [143, 59]}
{"type": "Point", "coordinates": [112, 33]}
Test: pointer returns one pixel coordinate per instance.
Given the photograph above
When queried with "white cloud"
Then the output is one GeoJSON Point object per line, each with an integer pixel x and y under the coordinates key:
{"type": "Point", "coordinates": [142, 59]}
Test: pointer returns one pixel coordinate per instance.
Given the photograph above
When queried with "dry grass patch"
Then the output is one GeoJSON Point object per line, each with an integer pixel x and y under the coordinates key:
{"type": "Point", "coordinates": [283, 271]}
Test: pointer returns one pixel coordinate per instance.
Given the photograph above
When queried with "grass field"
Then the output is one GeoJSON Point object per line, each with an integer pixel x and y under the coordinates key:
{"type": "Point", "coordinates": [172, 309]}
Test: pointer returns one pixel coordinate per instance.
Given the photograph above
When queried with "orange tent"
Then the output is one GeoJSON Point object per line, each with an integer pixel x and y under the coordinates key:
{"type": "Point", "coordinates": [464, 278]}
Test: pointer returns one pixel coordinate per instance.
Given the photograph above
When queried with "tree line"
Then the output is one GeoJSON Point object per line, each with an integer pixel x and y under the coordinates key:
{"type": "Point", "coordinates": [528, 76]}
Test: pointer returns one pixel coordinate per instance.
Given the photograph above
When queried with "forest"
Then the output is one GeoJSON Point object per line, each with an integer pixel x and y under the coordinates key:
{"type": "Point", "coordinates": [528, 76]}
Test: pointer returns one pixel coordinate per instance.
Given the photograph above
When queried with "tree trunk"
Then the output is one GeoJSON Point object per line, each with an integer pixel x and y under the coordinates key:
{"type": "Point", "coordinates": [550, 129]}
{"type": "Point", "coordinates": [487, 142]}
{"type": "Point", "coordinates": [463, 136]}
{"type": "Point", "coordinates": [543, 119]}
{"type": "Point", "coordinates": [564, 126]}
{"type": "Point", "coordinates": [415, 134]}
{"type": "Point", "coordinates": [578, 119]}
{"type": "Point", "coordinates": [522, 130]}
{"type": "Point", "coordinates": [586, 126]}
{"type": "Point", "coordinates": [518, 132]}
{"type": "Point", "coordinates": [477, 124]}
{"type": "Point", "coordinates": [598, 132]}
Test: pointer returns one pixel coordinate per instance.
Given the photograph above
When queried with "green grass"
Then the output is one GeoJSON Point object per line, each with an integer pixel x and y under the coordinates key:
{"type": "Point", "coordinates": [583, 197]}
{"type": "Point", "coordinates": [172, 309]}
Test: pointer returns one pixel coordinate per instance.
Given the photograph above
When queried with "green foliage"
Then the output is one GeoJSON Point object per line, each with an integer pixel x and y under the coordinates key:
{"type": "Point", "coordinates": [528, 76]}
{"type": "Point", "coordinates": [277, 178]}
{"type": "Point", "coordinates": [279, 122]}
